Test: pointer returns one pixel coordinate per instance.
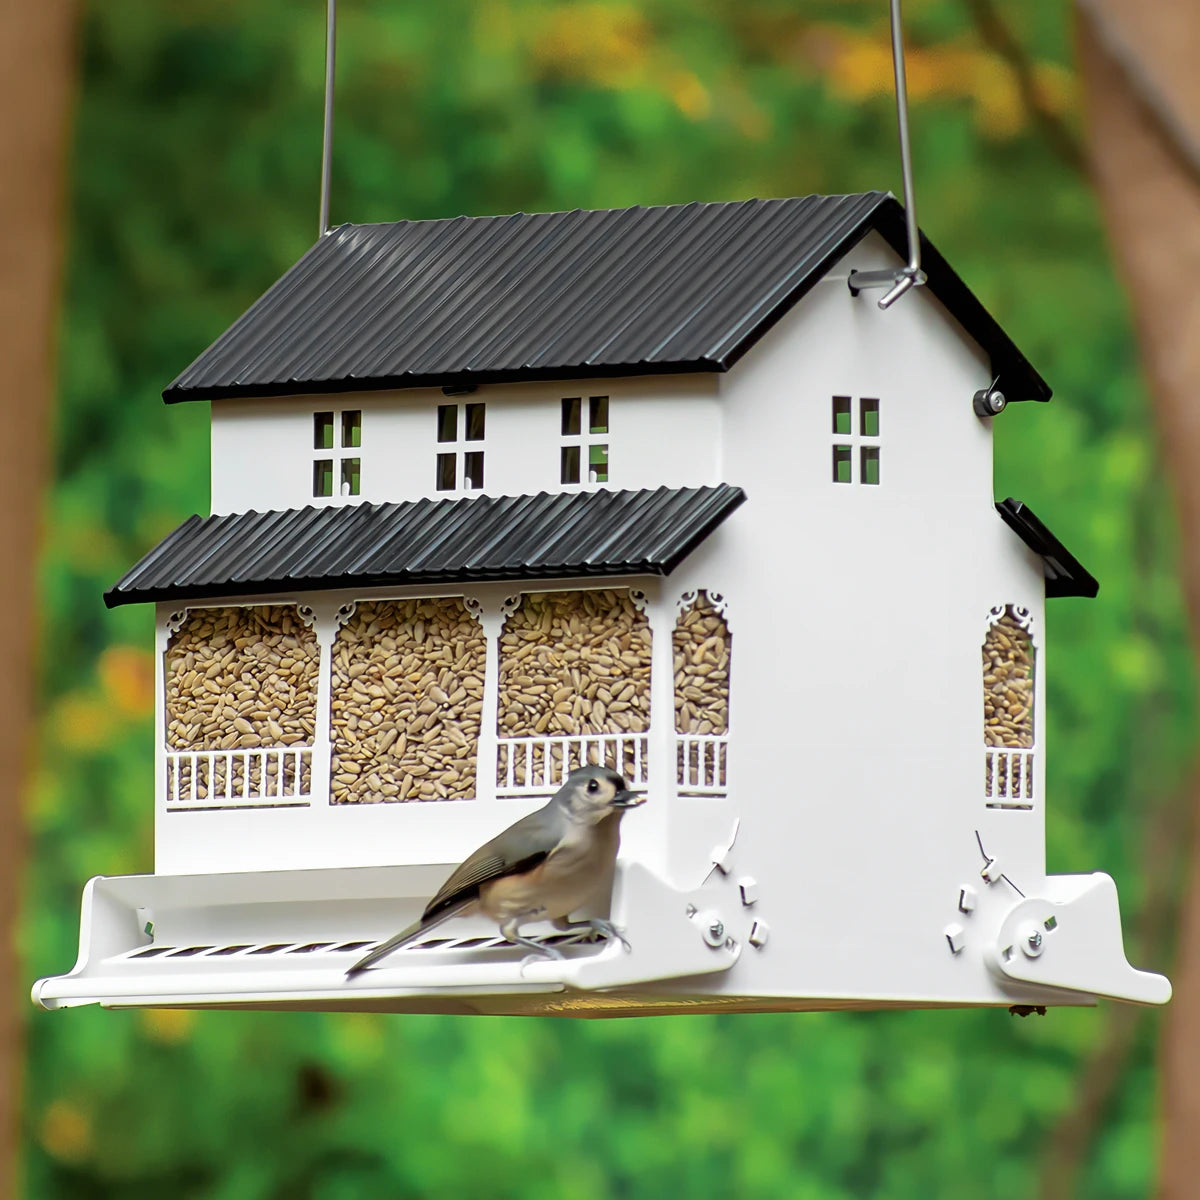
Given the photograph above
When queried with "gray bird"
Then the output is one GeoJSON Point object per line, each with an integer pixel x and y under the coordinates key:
{"type": "Point", "coordinates": [541, 868]}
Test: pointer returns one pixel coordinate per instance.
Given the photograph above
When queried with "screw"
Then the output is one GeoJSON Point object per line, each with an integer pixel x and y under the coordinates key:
{"type": "Point", "coordinates": [717, 931]}
{"type": "Point", "coordinates": [988, 402]}
{"type": "Point", "coordinates": [1035, 940]}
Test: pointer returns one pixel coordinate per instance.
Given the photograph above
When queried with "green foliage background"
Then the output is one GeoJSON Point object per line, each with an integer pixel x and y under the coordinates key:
{"type": "Point", "coordinates": [194, 185]}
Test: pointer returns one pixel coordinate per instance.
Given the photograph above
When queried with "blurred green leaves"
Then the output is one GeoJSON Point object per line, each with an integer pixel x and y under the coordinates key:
{"type": "Point", "coordinates": [195, 168]}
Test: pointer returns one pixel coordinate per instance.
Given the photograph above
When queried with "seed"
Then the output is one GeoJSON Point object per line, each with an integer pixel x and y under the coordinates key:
{"type": "Point", "coordinates": [1008, 663]}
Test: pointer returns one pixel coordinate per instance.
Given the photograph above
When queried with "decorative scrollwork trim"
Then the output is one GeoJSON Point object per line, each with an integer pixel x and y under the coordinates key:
{"type": "Point", "coordinates": [1022, 617]}
{"type": "Point", "coordinates": [174, 622]}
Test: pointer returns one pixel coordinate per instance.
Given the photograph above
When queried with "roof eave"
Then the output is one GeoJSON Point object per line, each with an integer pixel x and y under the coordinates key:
{"type": "Point", "coordinates": [1065, 574]}
{"type": "Point", "coordinates": [1015, 375]}
{"type": "Point", "coordinates": [458, 379]}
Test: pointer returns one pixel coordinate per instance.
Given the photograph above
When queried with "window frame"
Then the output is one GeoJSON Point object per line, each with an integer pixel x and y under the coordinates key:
{"type": "Point", "coordinates": [591, 439]}
{"type": "Point", "coordinates": [464, 452]}
{"type": "Point", "coordinates": [334, 455]}
{"type": "Point", "coordinates": [853, 448]}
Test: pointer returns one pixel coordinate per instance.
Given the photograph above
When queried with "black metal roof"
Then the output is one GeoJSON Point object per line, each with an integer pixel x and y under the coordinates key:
{"type": "Point", "coordinates": [1065, 575]}
{"type": "Point", "coordinates": [564, 295]}
{"type": "Point", "coordinates": [430, 541]}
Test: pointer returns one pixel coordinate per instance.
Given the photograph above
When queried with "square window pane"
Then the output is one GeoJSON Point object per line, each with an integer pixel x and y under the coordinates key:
{"type": "Point", "coordinates": [352, 428]}
{"type": "Point", "coordinates": [351, 476]}
{"type": "Point", "coordinates": [447, 422]}
{"type": "Point", "coordinates": [473, 469]}
{"type": "Point", "coordinates": [571, 409]}
{"type": "Point", "coordinates": [475, 422]}
{"type": "Point", "coordinates": [323, 476]}
{"type": "Point", "coordinates": [323, 431]}
{"type": "Point", "coordinates": [870, 464]}
{"type": "Point", "coordinates": [598, 414]}
{"type": "Point", "coordinates": [570, 464]}
{"type": "Point", "coordinates": [869, 417]}
{"type": "Point", "coordinates": [841, 414]}
{"type": "Point", "coordinates": [841, 464]}
{"type": "Point", "coordinates": [445, 472]}
{"type": "Point", "coordinates": [597, 464]}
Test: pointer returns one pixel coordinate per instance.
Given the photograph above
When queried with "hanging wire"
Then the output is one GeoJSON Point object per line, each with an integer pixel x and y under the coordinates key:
{"type": "Point", "coordinates": [327, 146]}
{"type": "Point", "coordinates": [910, 275]}
{"type": "Point", "coordinates": [906, 171]}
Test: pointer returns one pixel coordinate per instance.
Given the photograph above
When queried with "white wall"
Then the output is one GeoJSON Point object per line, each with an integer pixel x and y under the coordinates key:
{"type": "Point", "coordinates": [856, 615]}
{"type": "Point", "coordinates": [663, 431]}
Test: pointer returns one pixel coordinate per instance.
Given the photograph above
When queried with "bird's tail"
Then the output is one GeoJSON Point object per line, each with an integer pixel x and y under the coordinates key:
{"type": "Point", "coordinates": [405, 936]}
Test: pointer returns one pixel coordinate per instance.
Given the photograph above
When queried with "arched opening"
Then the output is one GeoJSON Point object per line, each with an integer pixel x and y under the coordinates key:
{"type": "Point", "coordinates": [574, 688]}
{"type": "Point", "coordinates": [1008, 709]}
{"type": "Point", "coordinates": [241, 688]}
{"type": "Point", "coordinates": [701, 646]}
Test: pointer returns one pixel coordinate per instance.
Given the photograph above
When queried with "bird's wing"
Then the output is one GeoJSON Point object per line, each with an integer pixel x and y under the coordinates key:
{"type": "Point", "coordinates": [519, 848]}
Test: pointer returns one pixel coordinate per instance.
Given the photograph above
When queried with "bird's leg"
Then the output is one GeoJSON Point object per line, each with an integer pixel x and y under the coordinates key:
{"type": "Point", "coordinates": [596, 925]}
{"type": "Point", "coordinates": [511, 932]}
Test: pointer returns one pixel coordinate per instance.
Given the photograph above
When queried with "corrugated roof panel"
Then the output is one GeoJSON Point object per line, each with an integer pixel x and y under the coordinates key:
{"type": "Point", "coordinates": [557, 295]}
{"type": "Point", "coordinates": [430, 541]}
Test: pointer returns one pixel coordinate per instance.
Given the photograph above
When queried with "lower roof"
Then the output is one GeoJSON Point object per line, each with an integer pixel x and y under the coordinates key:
{"type": "Point", "coordinates": [547, 536]}
{"type": "Point", "coordinates": [564, 535]}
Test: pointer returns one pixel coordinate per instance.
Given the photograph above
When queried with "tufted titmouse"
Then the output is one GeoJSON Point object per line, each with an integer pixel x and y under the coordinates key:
{"type": "Point", "coordinates": [541, 868]}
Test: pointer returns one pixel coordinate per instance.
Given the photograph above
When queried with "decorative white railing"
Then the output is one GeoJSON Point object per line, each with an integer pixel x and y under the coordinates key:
{"type": "Point", "coordinates": [700, 763]}
{"type": "Point", "coordinates": [1008, 778]}
{"type": "Point", "coordinates": [263, 778]}
{"type": "Point", "coordinates": [538, 765]}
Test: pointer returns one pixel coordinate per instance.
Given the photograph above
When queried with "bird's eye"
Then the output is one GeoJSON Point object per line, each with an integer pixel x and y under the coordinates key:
{"type": "Point", "coordinates": [593, 786]}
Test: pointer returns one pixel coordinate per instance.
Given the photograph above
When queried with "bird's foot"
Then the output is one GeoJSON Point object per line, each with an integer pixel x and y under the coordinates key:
{"type": "Point", "coordinates": [541, 952]}
{"type": "Point", "coordinates": [544, 954]}
{"type": "Point", "coordinates": [598, 925]}
{"type": "Point", "coordinates": [610, 931]}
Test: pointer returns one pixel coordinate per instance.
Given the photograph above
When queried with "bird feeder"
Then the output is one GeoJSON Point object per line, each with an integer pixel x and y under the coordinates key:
{"type": "Point", "coordinates": [658, 488]}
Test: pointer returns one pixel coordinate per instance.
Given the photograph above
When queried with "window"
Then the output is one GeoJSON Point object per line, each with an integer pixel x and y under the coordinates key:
{"type": "Point", "coordinates": [336, 474]}
{"type": "Point", "coordinates": [460, 468]}
{"type": "Point", "coordinates": [584, 448]}
{"type": "Point", "coordinates": [860, 442]}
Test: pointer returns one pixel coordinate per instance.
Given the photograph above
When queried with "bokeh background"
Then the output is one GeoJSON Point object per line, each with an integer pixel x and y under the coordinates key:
{"type": "Point", "coordinates": [192, 183]}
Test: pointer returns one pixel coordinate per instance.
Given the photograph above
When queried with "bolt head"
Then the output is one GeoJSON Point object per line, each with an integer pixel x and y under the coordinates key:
{"type": "Point", "coordinates": [1030, 939]}
{"type": "Point", "coordinates": [717, 930]}
{"type": "Point", "coordinates": [997, 401]}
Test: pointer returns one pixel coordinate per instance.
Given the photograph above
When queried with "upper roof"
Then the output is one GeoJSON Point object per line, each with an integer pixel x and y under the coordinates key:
{"type": "Point", "coordinates": [567, 535]}
{"type": "Point", "coordinates": [566, 295]}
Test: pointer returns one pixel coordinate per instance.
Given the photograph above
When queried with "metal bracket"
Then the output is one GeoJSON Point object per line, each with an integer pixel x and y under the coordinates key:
{"type": "Point", "coordinates": [898, 280]}
{"type": "Point", "coordinates": [1073, 942]}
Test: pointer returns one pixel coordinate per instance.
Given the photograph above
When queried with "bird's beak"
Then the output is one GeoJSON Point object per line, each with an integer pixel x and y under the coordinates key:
{"type": "Point", "coordinates": [628, 799]}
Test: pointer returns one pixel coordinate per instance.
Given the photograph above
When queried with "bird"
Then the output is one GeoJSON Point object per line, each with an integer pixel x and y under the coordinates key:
{"type": "Point", "coordinates": [543, 867]}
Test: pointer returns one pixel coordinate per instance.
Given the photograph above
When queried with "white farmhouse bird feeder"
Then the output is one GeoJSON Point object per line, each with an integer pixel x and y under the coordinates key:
{"type": "Point", "coordinates": [660, 488]}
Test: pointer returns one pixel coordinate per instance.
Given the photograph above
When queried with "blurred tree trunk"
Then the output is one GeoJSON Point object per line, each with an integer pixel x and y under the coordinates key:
{"type": "Point", "coordinates": [1142, 99]}
{"type": "Point", "coordinates": [36, 78]}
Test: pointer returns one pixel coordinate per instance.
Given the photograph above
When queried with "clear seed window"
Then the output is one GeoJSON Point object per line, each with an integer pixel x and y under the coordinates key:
{"type": "Point", "coordinates": [1008, 696]}
{"type": "Point", "coordinates": [701, 646]}
{"type": "Point", "coordinates": [407, 702]}
{"type": "Point", "coordinates": [574, 687]}
{"type": "Point", "coordinates": [241, 685]}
